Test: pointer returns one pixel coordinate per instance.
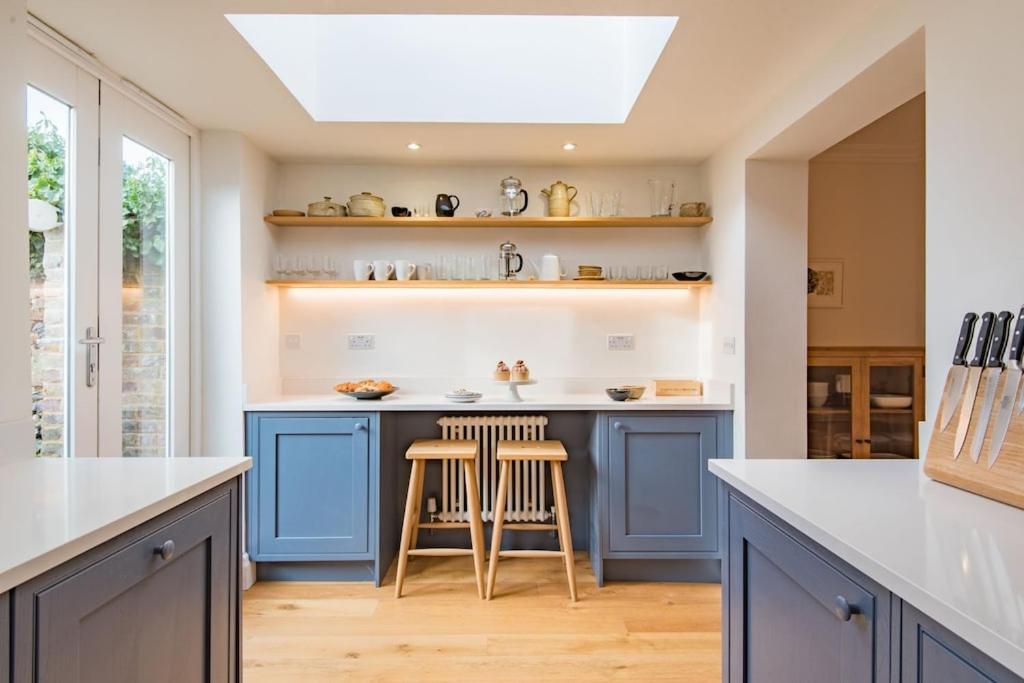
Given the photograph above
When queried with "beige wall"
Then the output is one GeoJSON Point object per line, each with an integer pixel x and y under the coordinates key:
{"type": "Point", "coordinates": [866, 207]}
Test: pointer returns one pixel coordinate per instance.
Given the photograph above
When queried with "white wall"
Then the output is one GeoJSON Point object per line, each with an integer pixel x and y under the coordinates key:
{"type": "Point", "coordinates": [776, 220]}
{"type": "Point", "coordinates": [463, 334]}
{"type": "Point", "coordinates": [235, 178]}
{"type": "Point", "coordinates": [15, 382]}
{"type": "Point", "coordinates": [975, 170]}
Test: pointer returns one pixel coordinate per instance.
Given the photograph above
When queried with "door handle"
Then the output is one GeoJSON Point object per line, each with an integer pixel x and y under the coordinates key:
{"type": "Point", "coordinates": [91, 342]}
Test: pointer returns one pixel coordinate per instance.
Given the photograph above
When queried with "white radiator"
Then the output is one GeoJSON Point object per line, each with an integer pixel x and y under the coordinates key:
{"type": "Point", "coordinates": [526, 494]}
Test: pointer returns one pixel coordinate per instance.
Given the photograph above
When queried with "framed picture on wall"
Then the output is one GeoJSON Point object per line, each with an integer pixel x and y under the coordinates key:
{"type": "Point", "coordinates": [825, 283]}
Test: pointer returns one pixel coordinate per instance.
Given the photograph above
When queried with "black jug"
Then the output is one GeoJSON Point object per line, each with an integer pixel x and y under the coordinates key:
{"type": "Point", "coordinates": [445, 205]}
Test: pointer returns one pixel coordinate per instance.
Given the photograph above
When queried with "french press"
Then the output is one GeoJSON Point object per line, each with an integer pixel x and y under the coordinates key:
{"type": "Point", "coordinates": [507, 256]}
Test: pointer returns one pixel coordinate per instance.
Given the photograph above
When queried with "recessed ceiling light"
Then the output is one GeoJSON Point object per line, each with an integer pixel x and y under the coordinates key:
{"type": "Point", "coordinates": [413, 146]}
{"type": "Point", "coordinates": [443, 65]}
{"type": "Point", "coordinates": [569, 146]}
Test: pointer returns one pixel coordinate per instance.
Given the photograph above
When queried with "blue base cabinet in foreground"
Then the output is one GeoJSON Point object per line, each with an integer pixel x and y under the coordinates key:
{"type": "Point", "coordinates": [794, 612]}
{"type": "Point", "coordinates": [654, 512]}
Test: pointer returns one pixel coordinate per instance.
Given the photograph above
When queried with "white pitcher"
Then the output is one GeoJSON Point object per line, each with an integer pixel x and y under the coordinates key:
{"type": "Point", "coordinates": [550, 268]}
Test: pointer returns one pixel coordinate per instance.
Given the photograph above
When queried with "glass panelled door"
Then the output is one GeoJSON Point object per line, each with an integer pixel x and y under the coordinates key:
{"type": "Point", "coordinates": [831, 425]}
{"type": "Point", "coordinates": [144, 275]}
{"type": "Point", "coordinates": [62, 131]}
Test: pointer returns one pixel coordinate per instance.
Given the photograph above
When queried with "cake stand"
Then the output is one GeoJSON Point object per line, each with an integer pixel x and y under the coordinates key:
{"type": "Point", "coordinates": [513, 388]}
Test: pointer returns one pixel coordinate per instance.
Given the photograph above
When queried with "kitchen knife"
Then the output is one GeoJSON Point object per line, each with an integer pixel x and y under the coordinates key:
{"type": "Point", "coordinates": [957, 375]}
{"type": "Point", "coordinates": [993, 368]}
{"type": "Point", "coordinates": [974, 369]}
{"type": "Point", "coordinates": [1009, 395]}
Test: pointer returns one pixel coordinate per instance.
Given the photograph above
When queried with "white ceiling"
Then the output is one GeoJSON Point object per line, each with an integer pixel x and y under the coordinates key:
{"type": "Point", "coordinates": [726, 60]}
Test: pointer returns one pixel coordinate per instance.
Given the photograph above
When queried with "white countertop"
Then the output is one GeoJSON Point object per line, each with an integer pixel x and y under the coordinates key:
{"type": "Point", "coordinates": [400, 401]}
{"type": "Point", "coordinates": [54, 509]}
{"type": "Point", "coordinates": [957, 557]}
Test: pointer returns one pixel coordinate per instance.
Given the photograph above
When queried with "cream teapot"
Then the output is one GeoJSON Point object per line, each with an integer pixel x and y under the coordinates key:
{"type": "Point", "coordinates": [560, 198]}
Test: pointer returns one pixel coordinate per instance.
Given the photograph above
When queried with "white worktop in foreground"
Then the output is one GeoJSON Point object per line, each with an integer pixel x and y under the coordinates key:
{"type": "Point", "coordinates": [957, 557]}
{"type": "Point", "coordinates": [54, 509]}
{"type": "Point", "coordinates": [489, 403]}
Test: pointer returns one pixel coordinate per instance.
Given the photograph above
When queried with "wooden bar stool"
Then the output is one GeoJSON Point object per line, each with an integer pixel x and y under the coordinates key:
{"type": "Point", "coordinates": [420, 452]}
{"type": "Point", "coordinates": [552, 452]}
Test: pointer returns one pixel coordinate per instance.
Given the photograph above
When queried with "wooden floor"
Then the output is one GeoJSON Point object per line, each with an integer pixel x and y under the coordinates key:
{"type": "Point", "coordinates": [441, 631]}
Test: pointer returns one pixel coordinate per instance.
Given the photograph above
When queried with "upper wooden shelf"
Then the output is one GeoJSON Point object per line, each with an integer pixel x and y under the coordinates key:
{"type": "Point", "coordinates": [490, 284]}
{"type": "Point", "coordinates": [489, 222]}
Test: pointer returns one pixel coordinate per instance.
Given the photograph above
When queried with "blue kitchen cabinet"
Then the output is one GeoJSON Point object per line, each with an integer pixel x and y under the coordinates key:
{"type": "Point", "coordinates": [313, 487]}
{"type": "Point", "coordinates": [794, 612]}
{"type": "Point", "coordinates": [662, 498]}
{"type": "Point", "coordinates": [931, 653]}
{"type": "Point", "coordinates": [5, 638]}
{"type": "Point", "coordinates": [655, 498]}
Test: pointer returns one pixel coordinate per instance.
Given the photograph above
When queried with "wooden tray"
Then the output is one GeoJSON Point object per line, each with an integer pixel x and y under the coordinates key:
{"type": "Point", "coordinates": [1005, 481]}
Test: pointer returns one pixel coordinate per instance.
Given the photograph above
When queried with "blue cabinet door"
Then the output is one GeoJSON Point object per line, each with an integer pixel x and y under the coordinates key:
{"type": "Point", "coordinates": [661, 496]}
{"type": "Point", "coordinates": [793, 614]}
{"type": "Point", "coordinates": [312, 488]}
{"type": "Point", "coordinates": [933, 654]}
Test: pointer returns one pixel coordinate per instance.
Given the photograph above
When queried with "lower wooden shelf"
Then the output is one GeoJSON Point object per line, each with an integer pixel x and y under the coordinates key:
{"type": "Point", "coordinates": [491, 284]}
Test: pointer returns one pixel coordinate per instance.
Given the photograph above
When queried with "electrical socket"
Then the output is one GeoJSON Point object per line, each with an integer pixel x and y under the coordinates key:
{"type": "Point", "coordinates": [621, 342]}
{"type": "Point", "coordinates": [729, 346]}
{"type": "Point", "coordinates": [361, 342]}
{"type": "Point", "coordinates": [293, 342]}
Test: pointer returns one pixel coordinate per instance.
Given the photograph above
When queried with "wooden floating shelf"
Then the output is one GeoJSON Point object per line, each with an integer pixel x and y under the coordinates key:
{"type": "Point", "coordinates": [490, 284]}
{"type": "Point", "coordinates": [489, 222]}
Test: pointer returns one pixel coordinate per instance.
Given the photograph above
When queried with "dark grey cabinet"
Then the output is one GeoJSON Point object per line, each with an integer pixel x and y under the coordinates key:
{"type": "Point", "coordinates": [793, 612]}
{"type": "Point", "coordinates": [157, 604]}
{"type": "Point", "coordinates": [931, 653]}
{"type": "Point", "coordinates": [313, 494]}
{"type": "Point", "coordinates": [661, 496]}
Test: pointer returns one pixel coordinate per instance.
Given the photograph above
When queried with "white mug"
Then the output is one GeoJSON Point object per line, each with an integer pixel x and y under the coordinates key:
{"type": "Point", "coordinates": [382, 270]}
{"type": "Point", "coordinates": [362, 269]}
{"type": "Point", "coordinates": [550, 268]}
{"type": "Point", "coordinates": [404, 269]}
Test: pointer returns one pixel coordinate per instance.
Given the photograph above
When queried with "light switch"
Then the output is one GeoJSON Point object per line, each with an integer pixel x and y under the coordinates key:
{"type": "Point", "coordinates": [293, 342]}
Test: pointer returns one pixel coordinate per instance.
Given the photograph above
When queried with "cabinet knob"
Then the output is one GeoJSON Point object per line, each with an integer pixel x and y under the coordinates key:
{"type": "Point", "coordinates": [359, 426]}
{"type": "Point", "coordinates": [165, 550]}
{"type": "Point", "coordinates": [618, 425]}
{"type": "Point", "coordinates": [843, 609]}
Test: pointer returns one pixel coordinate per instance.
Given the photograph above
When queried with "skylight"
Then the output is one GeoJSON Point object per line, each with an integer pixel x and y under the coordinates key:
{"type": "Point", "coordinates": [459, 68]}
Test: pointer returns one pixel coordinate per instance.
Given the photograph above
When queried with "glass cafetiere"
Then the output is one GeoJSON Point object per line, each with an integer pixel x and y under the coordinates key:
{"type": "Point", "coordinates": [511, 190]}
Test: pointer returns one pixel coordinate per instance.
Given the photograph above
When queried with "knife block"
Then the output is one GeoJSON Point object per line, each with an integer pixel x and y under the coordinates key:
{"type": "Point", "coordinates": [1005, 481]}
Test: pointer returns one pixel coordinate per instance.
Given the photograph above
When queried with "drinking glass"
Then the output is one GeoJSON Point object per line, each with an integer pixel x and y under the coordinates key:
{"type": "Point", "coordinates": [662, 196]}
{"type": "Point", "coordinates": [316, 266]}
{"type": "Point", "coordinates": [425, 271]}
{"type": "Point", "coordinates": [643, 272]}
{"type": "Point", "coordinates": [282, 266]}
{"type": "Point", "coordinates": [446, 269]}
{"type": "Point", "coordinates": [330, 266]}
{"type": "Point", "coordinates": [661, 273]}
{"type": "Point", "coordinates": [301, 266]}
{"type": "Point", "coordinates": [610, 203]}
{"type": "Point", "coordinates": [628, 272]}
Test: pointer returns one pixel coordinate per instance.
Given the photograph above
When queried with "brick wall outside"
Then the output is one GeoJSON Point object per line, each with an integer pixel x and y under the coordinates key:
{"type": "Point", "coordinates": [144, 359]}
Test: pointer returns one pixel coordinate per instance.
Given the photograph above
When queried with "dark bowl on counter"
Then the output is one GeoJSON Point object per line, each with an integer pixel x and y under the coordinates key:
{"type": "Point", "coordinates": [617, 393]}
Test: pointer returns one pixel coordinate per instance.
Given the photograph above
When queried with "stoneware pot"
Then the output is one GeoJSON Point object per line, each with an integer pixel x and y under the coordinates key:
{"type": "Point", "coordinates": [365, 204]}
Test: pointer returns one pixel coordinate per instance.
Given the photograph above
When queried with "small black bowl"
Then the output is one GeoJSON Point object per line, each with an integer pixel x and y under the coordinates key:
{"type": "Point", "coordinates": [690, 275]}
{"type": "Point", "coordinates": [400, 212]}
{"type": "Point", "coordinates": [617, 393]}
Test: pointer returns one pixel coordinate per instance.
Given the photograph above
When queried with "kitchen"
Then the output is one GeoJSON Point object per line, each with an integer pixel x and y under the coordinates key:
{"type": "Point", "coordinates": [619, 365]}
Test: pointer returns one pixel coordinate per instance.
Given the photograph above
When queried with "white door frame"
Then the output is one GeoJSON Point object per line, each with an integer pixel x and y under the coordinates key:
{"type": "Point", "coordinates": [64, 81]}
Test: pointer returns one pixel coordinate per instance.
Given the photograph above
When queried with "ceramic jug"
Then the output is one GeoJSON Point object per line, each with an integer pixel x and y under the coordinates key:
{"type": "Point", "coordinates": [560, 198]}
{"type": "Point", "coordinates": [445, 205]}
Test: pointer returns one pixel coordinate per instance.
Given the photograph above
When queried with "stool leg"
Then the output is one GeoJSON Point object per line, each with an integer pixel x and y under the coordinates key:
{"type": "Point", "coordinates": [564, 530]}
{"type": "Point", "coordinates": [499, 522]}
{"type": "Point", "coordinates": [415, 482]}
{"type": "Point", "coordinates": [476, 525]}
{"type": "Point", "coordinates": [414, 538]}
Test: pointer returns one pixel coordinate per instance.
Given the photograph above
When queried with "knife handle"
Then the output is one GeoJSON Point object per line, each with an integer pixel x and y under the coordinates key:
{"type": "Point", "coordinates": [999, 335]}
{"type": "Point", "coordinates": [984, 336]}
{"type": "Point", "coordinates": [963, 343]}
{"type": "Point", "coordinates": [1017, 340]}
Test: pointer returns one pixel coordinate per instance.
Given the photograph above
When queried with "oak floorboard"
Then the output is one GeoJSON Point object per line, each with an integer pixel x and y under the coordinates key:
{"type": "Point", "coordinates": [441, 631]}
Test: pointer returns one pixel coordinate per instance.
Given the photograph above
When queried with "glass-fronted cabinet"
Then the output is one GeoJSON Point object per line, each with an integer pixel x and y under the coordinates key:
{"type": "Point", "coordinates": [864, 402]}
